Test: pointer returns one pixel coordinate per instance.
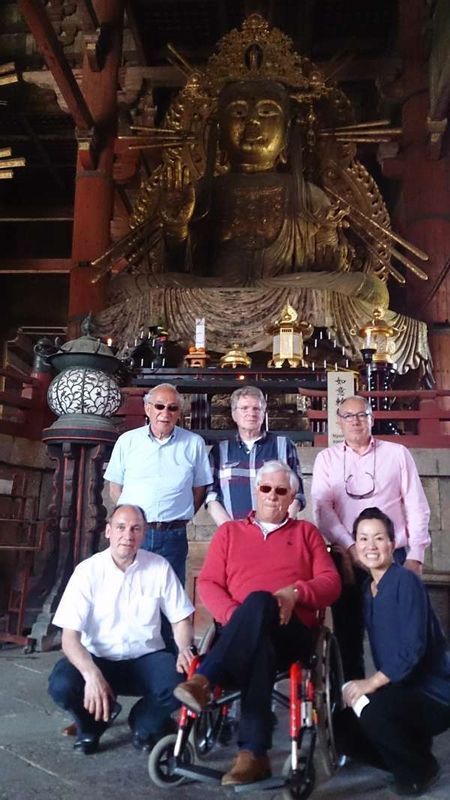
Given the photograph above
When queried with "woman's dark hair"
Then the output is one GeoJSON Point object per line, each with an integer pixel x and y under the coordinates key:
{"type": "Point", "coordinates": [375, 513]}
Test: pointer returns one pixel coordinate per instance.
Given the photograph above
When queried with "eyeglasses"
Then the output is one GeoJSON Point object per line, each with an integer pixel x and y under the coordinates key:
{"type": "Point", "coordinates": [355, 496]}
{"type": "Point", "coordinates": [172, 407]}
{"type": "Point", "coordinates": [281, 491]}
{"type": "Point", "coordinates": [258, 409]}
{"type": "Point", "coordinates": [371, 476]}
{"type": "Point", "coordinates": [361, 415]}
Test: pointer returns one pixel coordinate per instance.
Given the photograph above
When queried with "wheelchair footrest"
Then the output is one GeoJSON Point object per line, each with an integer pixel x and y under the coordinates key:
{"type": "Point", "coordinates": [198, 773]}
{"type": "Point", "coordinates": [276, 782]}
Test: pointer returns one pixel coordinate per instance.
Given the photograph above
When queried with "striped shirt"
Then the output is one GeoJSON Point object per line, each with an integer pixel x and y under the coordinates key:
{"type": "Point", "coordinates": [234, 468]}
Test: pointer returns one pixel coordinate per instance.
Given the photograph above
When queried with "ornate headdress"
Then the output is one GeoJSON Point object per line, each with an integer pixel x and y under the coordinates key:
{"type": "Point", "coordinates": [258, 52]}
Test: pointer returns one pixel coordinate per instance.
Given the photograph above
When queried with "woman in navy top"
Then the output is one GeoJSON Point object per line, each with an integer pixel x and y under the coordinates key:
{"type": "Point", "coordinates": [407, 700]}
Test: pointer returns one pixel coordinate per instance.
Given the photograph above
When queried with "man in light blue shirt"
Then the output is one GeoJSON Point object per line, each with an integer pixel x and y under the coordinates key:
{"type": "Point", "coordinates": [165, 470]}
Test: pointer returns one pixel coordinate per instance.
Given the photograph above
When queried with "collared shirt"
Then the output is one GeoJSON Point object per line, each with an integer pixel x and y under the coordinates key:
{"type": "Point", "coordinates": [119, 613]}
{"type": "Point", "coordinates": [398, 492]}
{"type": "Point", "coordinates": [159, 477]}
{"type": "Point", "coordinates": [235, 467]}
{"type": "Point", "coordinates": [267, 527]}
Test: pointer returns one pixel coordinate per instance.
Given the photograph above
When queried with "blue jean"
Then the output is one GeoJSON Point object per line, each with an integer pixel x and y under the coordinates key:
{"type": "Point", "coordinates": [172, 544]}
{"type": "Point", "coordinates": [151, 677]}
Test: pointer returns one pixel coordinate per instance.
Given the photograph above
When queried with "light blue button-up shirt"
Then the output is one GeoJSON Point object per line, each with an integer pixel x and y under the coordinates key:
{"type": "Point", "coordinates": [157, 476]}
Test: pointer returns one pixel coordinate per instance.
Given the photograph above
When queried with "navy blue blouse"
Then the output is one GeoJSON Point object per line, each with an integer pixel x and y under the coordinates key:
{"type": "Point", "coordinates": [406, 639]}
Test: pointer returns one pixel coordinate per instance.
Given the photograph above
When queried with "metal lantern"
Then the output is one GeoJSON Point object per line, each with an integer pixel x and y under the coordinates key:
{"type": "Point", "coordinates": [288, 336]}
{"type": "Point", "coordinates": [378, 338]}
{"type": "Point", "coordinates": [84, 391]}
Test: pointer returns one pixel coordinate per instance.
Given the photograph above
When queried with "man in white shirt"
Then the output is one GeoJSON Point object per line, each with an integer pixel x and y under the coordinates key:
{"type": "Point", "coordinates": [110, 614]}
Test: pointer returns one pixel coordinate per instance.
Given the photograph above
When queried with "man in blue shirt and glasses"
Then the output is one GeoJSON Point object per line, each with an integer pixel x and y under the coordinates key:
{"type": "Point", "coordinates": [163, 469]}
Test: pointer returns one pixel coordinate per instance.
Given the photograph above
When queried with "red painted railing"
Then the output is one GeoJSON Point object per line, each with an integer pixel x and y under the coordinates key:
{"type": "Point", "coordinates": [422, 417]}
{"type": "Point", "coordinates": [424, 425]}
{"type": "Point", "coordinates": [23, 404]}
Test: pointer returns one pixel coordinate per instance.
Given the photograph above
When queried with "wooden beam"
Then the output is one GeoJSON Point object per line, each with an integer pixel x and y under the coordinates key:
{"type": "Point", "coordinates": [48, 44]}
{"type": "Point", "coordinates": [135, 32]}
{"type": "Point", "coordinates": [88, 16]}
{"type": "Point", "coordinates": [28, 266]}
{"type": "Point", "coordinates": [36, 214]}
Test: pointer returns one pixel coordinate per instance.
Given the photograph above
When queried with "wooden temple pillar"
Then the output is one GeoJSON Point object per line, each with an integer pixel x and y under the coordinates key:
{"type": "Point", "coordinates": [94, 188]}
{"type": "Point", "coordinates": [423, 210]}
{"type": "Point", "coordinates": [76, 517]}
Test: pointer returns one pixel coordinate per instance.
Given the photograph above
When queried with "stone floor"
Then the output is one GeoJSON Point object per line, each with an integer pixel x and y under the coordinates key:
{"type": "Point", "coordinates": [37, 761]}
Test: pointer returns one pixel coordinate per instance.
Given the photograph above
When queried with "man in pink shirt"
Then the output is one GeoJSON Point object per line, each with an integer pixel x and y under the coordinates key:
{"type": "Point", "coordinates": [263, 580]}
{"type": "Point", "coordinates": [359, 472]}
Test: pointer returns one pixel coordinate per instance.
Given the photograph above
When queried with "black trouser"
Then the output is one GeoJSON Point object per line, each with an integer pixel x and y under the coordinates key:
{"type": "Point", "coordinates": [394, 732]}
{"type": "Point", "coordinates": [348, 619]}
{"type": "Point", "coordinates": [251, 647]}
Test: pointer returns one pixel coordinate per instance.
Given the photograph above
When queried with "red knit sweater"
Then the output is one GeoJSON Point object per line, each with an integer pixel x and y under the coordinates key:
{"type": "Point", "coordinates": [240, 561]}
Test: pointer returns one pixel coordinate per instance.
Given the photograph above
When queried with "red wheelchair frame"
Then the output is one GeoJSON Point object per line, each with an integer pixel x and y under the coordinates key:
{"type": "Point", "coordinates": [314, 694]}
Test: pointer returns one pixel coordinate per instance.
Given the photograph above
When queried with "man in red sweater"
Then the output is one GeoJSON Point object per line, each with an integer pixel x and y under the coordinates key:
{"type": "Point", "coordinates": [264, 579]}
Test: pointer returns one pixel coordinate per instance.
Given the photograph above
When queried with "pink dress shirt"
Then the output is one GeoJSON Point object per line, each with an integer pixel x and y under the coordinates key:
{"type": "Point", "coordinates": [397, 492]}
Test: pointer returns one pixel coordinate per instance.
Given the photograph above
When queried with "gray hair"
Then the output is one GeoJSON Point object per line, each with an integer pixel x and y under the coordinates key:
{"type": "Point", "coordinates": [278, 466]}
{"type": "Point", "coordinates": [247, 391]}
{"type": "Point", "coordinates": [136, 508]}
{"type": "Point", "coordinates": [364, 400]}
{"type": "Point", "coordinates": [148, 397]}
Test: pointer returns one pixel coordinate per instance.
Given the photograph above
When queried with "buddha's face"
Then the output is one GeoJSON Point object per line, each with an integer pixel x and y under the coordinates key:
{"type": "Point", "coordinates": [253, 122]}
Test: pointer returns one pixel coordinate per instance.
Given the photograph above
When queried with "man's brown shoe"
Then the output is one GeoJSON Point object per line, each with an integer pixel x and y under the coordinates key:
{"type": "Point", "coordinates": [247, 768]}
{"type": "Point", "coordinates": [195, 693]}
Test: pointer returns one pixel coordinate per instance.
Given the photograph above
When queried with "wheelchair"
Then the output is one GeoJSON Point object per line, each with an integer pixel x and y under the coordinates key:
{"type": "Point", "coordinates": [312, 697]}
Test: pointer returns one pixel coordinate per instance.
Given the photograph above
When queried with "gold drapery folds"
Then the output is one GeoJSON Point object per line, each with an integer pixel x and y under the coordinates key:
{"type": "Point", "coordinates": [241, 315]}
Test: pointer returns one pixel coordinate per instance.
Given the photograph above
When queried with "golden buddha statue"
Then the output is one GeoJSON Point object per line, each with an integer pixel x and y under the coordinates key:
{"type": "Point", "coordinates": [260, 218]}
{"type": "Point", "coordinates": [259, 200]}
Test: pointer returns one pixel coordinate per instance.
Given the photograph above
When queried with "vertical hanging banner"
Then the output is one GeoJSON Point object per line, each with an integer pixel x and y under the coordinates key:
{"type": "Point", "coordinates": [200, 337]}
{"type": "Point", "coordinates": [339, 385]}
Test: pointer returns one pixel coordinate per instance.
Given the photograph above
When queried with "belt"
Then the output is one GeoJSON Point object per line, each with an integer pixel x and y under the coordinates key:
{"type": "Point", "coordinates": [168, 526]}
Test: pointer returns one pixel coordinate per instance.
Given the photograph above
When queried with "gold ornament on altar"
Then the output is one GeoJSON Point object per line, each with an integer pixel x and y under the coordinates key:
{"type": "Point", "coordinates": [379, 337]}
{"type": "Point", "coordinates": [196, 357]}
{"type": "Point", "coordinates": [236, 357]}
{"type": "Point", "coordinates": [288, 336]}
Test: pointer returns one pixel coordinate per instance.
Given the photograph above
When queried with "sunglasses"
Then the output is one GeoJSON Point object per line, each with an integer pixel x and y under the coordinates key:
{"type": "Point", "coordinates": [172, 407]}
{"type": "Point", "coordinates": [281, 491]}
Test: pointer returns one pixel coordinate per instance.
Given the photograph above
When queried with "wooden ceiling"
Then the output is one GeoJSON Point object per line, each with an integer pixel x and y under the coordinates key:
{"type": "Point", "coordinates": [36, 206]}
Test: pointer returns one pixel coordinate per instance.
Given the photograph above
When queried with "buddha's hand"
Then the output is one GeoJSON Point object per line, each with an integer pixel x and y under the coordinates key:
{"type": "Point", "coordinates": [177, 200]}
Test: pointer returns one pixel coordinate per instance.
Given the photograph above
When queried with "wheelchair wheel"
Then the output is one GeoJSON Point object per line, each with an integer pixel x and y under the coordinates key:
{"type": "Point", "coordinates": [328, 679]}
{"type": "Point", "coordinates": [301, 784]}
{"type": "Point", "coordinates": [161, 762]}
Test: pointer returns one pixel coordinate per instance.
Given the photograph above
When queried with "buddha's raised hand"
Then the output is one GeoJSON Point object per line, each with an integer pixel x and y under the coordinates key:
{"type": "Point", "coordinates": [177, 199]}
